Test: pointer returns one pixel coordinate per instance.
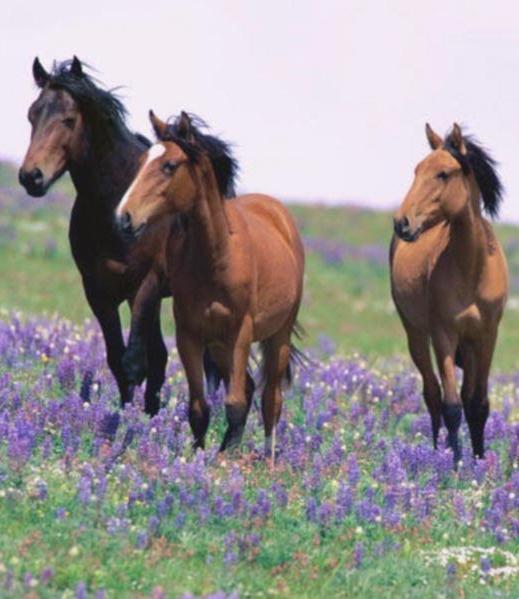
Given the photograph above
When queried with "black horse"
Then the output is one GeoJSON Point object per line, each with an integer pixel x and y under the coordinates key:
{"type": "Point", "coordinates": [79, 127]}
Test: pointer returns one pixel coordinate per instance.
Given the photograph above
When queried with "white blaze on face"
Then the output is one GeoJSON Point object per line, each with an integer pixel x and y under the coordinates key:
{"type": "Point", "coordinates": [154, 152]}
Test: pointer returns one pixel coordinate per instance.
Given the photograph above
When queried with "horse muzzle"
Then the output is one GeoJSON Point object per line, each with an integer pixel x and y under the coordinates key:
{"type": "Point", "coordinates": [33, 181]}
{"type": "Point", "coordinates": [404, 231]}
{"type": "Point", "coordinates": [126, 227]}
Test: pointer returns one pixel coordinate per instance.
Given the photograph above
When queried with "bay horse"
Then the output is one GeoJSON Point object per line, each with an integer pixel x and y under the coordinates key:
{"type": "Point", "coordinates": [79, 127]}
{"type": "Point", "coordinates": [449, 279]}
{"type": "Point", "coordinates": [237, 279]}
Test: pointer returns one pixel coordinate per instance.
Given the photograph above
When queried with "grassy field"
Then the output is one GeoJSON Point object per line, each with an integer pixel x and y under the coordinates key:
{"type": "Point", "coordinates": [95, 502]}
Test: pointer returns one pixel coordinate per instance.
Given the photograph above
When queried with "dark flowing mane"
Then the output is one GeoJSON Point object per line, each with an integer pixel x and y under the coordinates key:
{"type": "Point", "coordinates": [103, 110]}
{"type": "Point", "coordinates": [483, 166]}
{"type": "Point", "coordinates": [224, 163]}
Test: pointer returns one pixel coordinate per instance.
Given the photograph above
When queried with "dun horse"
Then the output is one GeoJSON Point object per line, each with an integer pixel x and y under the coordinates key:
{"type": "Point", "coordinates": [238, 277]}
{"type": "Point", "coordinates": [449, 279]}
{"type": "Point", "coordinates": [79, 127]}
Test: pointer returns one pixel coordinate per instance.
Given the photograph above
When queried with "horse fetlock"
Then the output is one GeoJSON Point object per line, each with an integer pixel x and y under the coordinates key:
{"type": "Point", "coordinates": [152, 403]}
{"type": "Point", "coordinates": [135, 363]}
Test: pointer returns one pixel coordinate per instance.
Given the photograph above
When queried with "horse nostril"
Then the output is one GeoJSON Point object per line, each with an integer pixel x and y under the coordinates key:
{"type": "Point", "coordinates": [22, 176]}
{"type": "Point", "coordinates": [125, 222]}
{"type": "Point", "coordinates": [37, 177]}
{"type": "Point", "coordinates": [401, 226]}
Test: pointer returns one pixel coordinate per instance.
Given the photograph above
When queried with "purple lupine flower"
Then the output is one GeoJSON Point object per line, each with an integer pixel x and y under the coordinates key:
{"type": "Point", "coordinates": [358, 554]}
{"type": "Point", "coordinates": [46, 575]}
{"type": "Point", "coordinates": [81, 590]}
{"type": "Point", "coordinates": [485, 564]}
{"type": "Point", "coordinates": [142, 540]}
{"type": "Point", "coordinates": [311, 509]}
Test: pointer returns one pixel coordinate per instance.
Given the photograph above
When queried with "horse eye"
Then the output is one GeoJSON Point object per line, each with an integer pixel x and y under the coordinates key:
{"type": "Point", "coordinates": [69, 122]}
{"type": "Point", "coordinates": [168, 168]}
{"type": "Point", "coordinates": [442, 175]}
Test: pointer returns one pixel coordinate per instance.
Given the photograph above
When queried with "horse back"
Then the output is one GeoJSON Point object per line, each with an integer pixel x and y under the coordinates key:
{"type": "Point", "coordinates": [266, 216]}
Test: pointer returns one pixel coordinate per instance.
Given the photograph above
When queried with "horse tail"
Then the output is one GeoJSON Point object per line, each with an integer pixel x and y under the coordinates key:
{"type": "Point", "coordinates": [297, 357]}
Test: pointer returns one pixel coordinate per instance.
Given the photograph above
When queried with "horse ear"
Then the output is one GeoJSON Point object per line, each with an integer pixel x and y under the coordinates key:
{"type": "Point", "coordinates": [457, 139]}
{"type": "Point", "coordinates": [185, 127]}
{"type": "Point", "coordinates": [76, 68]}
{"type": "Point", "coordinates": [160, 127]}
{"type": "Point", "coordinates": [435, 141]}
{"type": "Point", "coordinates": [40, 75]}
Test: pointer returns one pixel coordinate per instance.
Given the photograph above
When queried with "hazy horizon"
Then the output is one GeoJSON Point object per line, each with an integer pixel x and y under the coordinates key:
{"type": "Point", "coordinates": [325, 101]}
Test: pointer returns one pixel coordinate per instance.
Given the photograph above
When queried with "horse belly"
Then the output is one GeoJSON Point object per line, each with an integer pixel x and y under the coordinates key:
{"type": "Point", "coordinates": [278, 293]}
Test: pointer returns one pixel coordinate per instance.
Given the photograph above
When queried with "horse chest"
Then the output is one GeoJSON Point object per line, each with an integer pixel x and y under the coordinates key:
{"type": "Point", "coordinates": [413, 267]}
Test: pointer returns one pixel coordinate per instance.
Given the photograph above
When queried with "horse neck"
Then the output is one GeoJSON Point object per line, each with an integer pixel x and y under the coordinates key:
{"type": "Point", "coordinates": [468, 236]}
{"type": "Point", "coordinates": [208, 227]}
{"type": "Point", "coordinates": [106, 170]}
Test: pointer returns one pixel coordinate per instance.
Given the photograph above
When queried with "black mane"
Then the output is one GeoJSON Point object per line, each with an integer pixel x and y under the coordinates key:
{"type": "Point", "coordinates": [479, 161]}
{"type": "Point", "coordinates": [103, 110]}
{"type": "Point", "coordinates": [224, 163]}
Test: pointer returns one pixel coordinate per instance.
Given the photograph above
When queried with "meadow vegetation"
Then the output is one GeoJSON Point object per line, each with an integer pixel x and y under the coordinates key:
{"type": "Point", "coordinates": [96, 502]}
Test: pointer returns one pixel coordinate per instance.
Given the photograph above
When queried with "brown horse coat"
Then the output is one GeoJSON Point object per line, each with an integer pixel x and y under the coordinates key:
{"type": "Point", "coordinates": [238, 278]}
{"type": "Point", "coordinates": [449, 279]}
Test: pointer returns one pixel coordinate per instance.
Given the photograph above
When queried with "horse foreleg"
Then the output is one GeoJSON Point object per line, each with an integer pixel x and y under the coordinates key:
{"type": "Point", "coordinates": [477, 406]}
{"type": "Point", "coordinates": [419, 349]}
{"type": "Point", "coordinates": [240, 389]}
{"type": "Point", "coordinates": [445, 345]}
{"type": "Point", "coordinates": [144, 308]}
{"type": "Point", "coordinates": [157, 355]}
{"type": "Point", "coordinates": [108, 317]}
{"type": "Point", "coordinates": [191, 354]}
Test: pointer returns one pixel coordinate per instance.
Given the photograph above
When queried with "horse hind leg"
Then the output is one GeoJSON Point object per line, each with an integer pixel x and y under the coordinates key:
{"type": "Point", "coordinates": [276, 366]}
{"type": "Point", "coordinates": [445, 346]}
{"type": "Point", "coordinates": [419, 349]}
{"type": "Point", "coordinates": [476, 404]}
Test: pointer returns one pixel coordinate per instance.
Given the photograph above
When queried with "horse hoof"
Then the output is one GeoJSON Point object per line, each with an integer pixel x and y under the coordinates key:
{"type": "Point", "coordinates": [231, 440]}
{"type": "Point", "coordinates": [198, 444]}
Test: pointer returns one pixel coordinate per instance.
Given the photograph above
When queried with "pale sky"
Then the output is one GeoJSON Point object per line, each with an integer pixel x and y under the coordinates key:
{"type": "Point", "coordinates": [325, 100]}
